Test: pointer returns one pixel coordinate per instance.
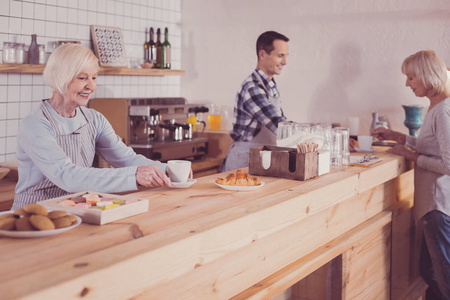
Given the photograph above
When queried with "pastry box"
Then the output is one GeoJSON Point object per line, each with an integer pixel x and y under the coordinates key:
{"type": "Point", "coordinates": [110, 207]}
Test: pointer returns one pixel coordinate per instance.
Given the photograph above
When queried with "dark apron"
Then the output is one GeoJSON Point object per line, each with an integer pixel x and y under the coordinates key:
{"type": "Point", "coordinates": [79, 146]}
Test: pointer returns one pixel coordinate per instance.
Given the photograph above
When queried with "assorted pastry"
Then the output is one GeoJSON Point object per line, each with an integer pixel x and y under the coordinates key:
{"type": "Point", "coordinates": [95, 201]}
{"type": "Point", "coordinates": [239, 179]}
{"type": "Point", "coordinates": [34, 217]}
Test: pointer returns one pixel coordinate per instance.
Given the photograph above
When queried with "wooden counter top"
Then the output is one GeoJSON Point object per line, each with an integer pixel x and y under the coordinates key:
{"type": "Point", "coordinates": [199, 243]}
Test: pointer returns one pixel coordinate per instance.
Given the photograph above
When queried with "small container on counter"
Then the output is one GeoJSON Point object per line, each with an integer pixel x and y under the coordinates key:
{"type": "Point", "coordinates": [20, 53]}
{"type": "Point", "coordinates": [9, 53]}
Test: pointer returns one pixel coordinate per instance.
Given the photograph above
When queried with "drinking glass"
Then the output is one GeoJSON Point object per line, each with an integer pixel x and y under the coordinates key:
{"type": "Point", "coordinates": [345, 136]}
{"type": "Point", "coordinates": [302, 128]}
{"type": "Point", "coordinates": [214, 117]}
{"type": "Point", "coordinates": [336, 149]}
{"type": "Point", "coordinates": [285, 130]}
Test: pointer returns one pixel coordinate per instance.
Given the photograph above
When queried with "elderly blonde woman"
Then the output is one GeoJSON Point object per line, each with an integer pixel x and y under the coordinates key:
{"type": "Point", "coordinates": [426, 75]}
{"type": "Point", "coordinates": [57, 142]}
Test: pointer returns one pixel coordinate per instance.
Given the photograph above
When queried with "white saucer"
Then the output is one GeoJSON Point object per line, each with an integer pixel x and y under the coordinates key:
{"type": "Point", "coordinates": [183, 185]}
{"type": "Point", "coordinates": [240, 188]}
{"type": "Point", "coordinates": [371, 150]}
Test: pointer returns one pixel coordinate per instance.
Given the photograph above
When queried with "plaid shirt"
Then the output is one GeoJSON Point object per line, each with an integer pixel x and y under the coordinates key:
{"type": "Point", "coordinates": [252, 108]}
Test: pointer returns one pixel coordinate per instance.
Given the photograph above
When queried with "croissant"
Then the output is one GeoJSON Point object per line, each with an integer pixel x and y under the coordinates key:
{"type": "Point", "coordinates": [239, 179]}
{"type": "Point", "coordinates": [230, 179]}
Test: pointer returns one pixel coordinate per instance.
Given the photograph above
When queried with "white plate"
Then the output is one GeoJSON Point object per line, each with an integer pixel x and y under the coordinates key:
{"type": "Point", "coordinates": [183, 185]}
{"type": "Point", "coordinates": [364, 151]}
{"type": "Point", "coordinates": [240, 188]}
{"type": "Point", "coordinates": [38, 233]}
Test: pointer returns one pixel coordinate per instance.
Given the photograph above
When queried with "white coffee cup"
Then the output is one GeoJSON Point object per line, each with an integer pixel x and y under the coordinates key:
{"type": "Point", "coordinates": [178, 170]}
{"type": "Point", "coordinates": [365, 142]}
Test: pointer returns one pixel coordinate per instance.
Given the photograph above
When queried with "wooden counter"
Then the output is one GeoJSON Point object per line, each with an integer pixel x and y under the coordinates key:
{"type": "Point", "coordinates": [208, 243]}
{"type": "Point", "coordinates": [7, 189]}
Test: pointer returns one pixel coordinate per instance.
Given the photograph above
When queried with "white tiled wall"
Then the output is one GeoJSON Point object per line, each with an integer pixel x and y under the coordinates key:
{"type": "Point", "coordinates": [54, 20]}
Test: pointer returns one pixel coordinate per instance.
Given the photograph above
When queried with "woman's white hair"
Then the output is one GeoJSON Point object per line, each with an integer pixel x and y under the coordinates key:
{"type": "Point", "coordinates": [66, 62]}
{"type": "Point", "coordinates": [429, 68]}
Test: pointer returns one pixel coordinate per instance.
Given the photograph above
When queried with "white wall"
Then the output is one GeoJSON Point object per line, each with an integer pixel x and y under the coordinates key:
{"type": "Point", "coordinates": [55, 20]}
{"type": "Point", "coordinates": [345, 55]}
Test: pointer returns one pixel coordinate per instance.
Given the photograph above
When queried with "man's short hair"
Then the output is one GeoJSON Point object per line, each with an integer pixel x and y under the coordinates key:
{"type": "Point", "coordinates": [265, 41]}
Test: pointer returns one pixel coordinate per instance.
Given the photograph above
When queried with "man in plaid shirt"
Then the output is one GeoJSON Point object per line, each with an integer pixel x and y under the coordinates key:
{"type": "Point", "coordinates": [257, 109]}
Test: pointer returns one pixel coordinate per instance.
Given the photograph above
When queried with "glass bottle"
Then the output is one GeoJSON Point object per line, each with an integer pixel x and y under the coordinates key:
{"type": "Point", "coordinates": [20, 53]}
{"type": "Point", "coordinates": [9, 53]}
{"type": "Point", "coordinates": [159, 50]}
{"type": "Point", "coordinates": [375, 120]}
{"type": "Point", "coordinates": [152, 47]}
{"type": "Point", "coordinates": [42, 59]}
{"type": "Point", "coordinates": [33, 51]}
{"type": "Point", "coordinates": [166, 47]}
{"type": "Point", "coordinates": [146, 47]}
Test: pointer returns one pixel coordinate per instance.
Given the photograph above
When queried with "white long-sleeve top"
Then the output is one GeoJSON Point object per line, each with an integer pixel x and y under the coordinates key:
{"type": "Point", "coordinates": [40, 157]}
{"type": "Point", "coordinates": [432, 170]}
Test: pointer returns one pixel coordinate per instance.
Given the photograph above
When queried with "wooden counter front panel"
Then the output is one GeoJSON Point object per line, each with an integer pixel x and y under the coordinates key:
{"type": "Point", "coordinates": [202, 242]}
{"type": "Point", "coordinates": [236, 271]}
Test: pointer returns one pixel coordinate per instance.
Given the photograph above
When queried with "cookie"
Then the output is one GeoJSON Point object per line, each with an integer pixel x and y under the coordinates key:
{"type": "Point", "coordinates": [21, 212]}
{"type": "Point", "coordinates": [62, 222]}
{"type": "Point", "coordinates": [56, 214]}
{"type": "Point", "coordinates": [35, 209]}
{"type": "Point", "coordinates": [23, 224]}
{"type": "Point", "coordinates": [78, 199]}
{"type": "Point", "coordinates": [72, 218]}
{"type": "Point", "coordinates": [41, 222]}
{"type": "Point", "coordinates": [8, 223]}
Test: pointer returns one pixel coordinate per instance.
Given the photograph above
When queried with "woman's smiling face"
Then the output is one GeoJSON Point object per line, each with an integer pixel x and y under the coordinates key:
{"type": "Point", "coordinates": [82, 86]}
{"type": "Point", "coordinates": [273, 63]}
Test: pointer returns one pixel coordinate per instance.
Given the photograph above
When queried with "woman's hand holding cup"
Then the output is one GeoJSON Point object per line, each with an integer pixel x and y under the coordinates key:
{"type": "Point", "coordinates": [151, 176]}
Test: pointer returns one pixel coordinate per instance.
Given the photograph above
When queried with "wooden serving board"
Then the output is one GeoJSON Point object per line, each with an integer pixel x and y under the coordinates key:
{"type": "Point", "coordinates": [98, 216]}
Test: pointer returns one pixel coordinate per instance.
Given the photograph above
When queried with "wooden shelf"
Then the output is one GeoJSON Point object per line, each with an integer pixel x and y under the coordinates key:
{"type": "Point", "coordinates": [38, 69]}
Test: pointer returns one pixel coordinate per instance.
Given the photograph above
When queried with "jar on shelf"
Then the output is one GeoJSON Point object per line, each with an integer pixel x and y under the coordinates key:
{"type": "Point", "coordinates": [20, 53]}
{"type": "Point", "coordinates": [9, 53]}
{"type": "Point", "coordinates": [42, 59]}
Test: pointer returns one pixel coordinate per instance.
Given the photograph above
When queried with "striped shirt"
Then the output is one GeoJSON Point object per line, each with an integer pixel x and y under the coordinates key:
{"type": "Point", "coordinates": [253, 109]}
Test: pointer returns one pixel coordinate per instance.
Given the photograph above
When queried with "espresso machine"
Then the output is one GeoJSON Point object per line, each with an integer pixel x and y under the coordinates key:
{"type": "Point", "coordinates": [157, 128]}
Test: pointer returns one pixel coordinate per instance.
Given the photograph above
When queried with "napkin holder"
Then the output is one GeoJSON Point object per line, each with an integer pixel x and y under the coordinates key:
{"type": "Point", "coordinates": [284, 162]}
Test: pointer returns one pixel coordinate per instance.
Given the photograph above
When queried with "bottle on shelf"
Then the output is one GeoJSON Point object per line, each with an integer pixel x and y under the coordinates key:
{"type": "Point", "coordinates": [33, 51]}
{"type": "Point", "coordinates": [167, 50]}
{"type": "Point", "coordinates": [152, 47]}
{"type": "Point", "coordinates": [158, 46]}
{"type": "Point", "coordinates": [42, 58]}
{"type": "Point", "coordinates": [146, 47]}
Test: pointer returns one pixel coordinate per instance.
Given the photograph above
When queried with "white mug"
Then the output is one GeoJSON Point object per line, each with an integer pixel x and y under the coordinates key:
{"type": "Point", "coordinates": [178, 170]}
{"type": "Point", "coordinates": [365, 142]}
